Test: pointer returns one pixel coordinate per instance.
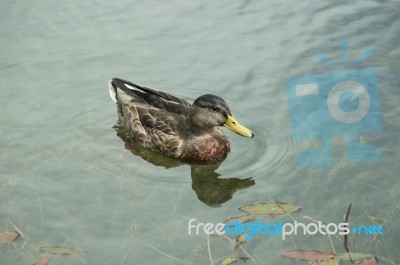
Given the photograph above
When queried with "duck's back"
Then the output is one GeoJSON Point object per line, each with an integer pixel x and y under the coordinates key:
{"type": "Point", "coordinates": [154, 119]}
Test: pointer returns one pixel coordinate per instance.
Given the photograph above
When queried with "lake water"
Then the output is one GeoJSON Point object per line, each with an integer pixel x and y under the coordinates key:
{"type": "Point", "coordinates": [66, 179]}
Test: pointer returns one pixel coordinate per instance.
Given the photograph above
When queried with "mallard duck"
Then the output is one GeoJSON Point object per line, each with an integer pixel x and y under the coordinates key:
{"type": "Point", "coordinates": [172, 126]}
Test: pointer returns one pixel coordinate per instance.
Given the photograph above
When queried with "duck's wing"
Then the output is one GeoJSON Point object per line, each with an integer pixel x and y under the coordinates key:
{"type": "Point", "coordinates": [154, 129]}
{"type": "Point", "coordinates": [152, 126]}
{"type": "Point", "coordinates": [157, 99]}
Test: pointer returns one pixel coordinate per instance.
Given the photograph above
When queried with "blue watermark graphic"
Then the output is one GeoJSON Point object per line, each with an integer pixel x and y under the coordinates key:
{"type": "Point", "coordinates": [335, 103]}
{"type": "Point", "coordinates": [280, 229]}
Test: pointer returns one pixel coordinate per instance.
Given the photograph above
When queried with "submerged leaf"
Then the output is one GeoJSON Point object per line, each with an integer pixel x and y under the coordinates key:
{"type": "Point", "coordinates": [43, 261]}
{"type": "Point", "coordinates": [228, 260]}
{"type": "Point", "coordinates": [362, 258]}
{"type": "Point", "coordinates": [8, 236]}
{"type": "Point", "coordinates": [243, 258]}
{"type": "Point", "coordinates": [376, 219]}
{"type": "Point", "coordinates": [370, 261]}
{"type": "Point", "coordinates": [240, 219]}
{"type": "Point", "coordinates": [355, 256]}
{"type": "Point", "coordinates": [314, 220]}
{"type": "Point", "coordinates": [272, 208]}
{"type": "Point", "coordinates": [333, 261]}
{"type": "Point", "coordinates": [60, 250]}
{"type": "Point", "coordinates": [310, 255]}
{"type": "Point", "coordinates": [241, 239]}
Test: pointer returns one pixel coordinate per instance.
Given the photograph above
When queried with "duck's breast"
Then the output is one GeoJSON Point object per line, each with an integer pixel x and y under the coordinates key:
{"type": "Point", "coordinates": [206, 149]}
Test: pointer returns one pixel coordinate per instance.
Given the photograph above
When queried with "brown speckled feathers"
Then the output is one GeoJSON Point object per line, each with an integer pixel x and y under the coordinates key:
{"type": "Point", "coordinates": [172, 126]}
{"type": "Point", "coordinates": [155, 120]}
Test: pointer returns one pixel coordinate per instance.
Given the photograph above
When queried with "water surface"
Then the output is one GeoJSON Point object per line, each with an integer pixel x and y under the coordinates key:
{"type": "Point", "coordinates": [67, 180]}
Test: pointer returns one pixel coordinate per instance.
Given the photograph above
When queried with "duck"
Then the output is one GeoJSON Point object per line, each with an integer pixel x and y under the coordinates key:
{"type": "Point", "coordinates": [172, 126]}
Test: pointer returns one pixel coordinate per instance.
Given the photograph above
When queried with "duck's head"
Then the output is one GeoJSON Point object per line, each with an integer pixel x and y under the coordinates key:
{"type": "Point", "coordinates": [209, 111]}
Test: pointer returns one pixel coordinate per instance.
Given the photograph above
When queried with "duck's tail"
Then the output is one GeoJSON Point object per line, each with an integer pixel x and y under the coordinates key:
{"type": "Point", "coordinates": [123, 91]}
{"type": "Point", "coordinates": [113, 91]}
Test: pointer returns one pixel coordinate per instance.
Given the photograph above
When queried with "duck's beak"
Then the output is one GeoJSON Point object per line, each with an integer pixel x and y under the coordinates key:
{"type": "Point", "coordinates": [232, 124]}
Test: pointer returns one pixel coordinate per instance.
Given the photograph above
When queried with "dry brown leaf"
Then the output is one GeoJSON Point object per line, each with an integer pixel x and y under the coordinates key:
{"type": "Point", "coordinates": [310, 255]}
{"type": "Point", "coordinates": [43, 261]}
{"type": "Point", "coordinates": [240, 219]}
{"type": "Point", "coordinates": [8, 236]}
{"type": "Point", "coordinates": [376, 219]}
{"type": "Point", "coordinates": [60, 250]}
{"type": "Point", "coordinates": [272, 208]}
{"type": "Point", "coordinates": [370, 261]}
{"type": "Point", "coordinates": [228, 260]}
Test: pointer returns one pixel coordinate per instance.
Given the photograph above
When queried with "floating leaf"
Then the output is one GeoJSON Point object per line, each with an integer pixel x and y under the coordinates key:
{"type": "Point", "coordinates": [333, 261]}
{"type": "Point", "coordinates": [272, 208]}
{"type": "Point", "coordinates": [43, 261]}
{"type": "Point", "coordinates": [376, 219]}
{"type": "Point", "coordinates": [370, 261]}
{"type": "Point", "coordinates": [355, 256]}
{"type": "Point", "coordinates": [60, 250]}
{"type": "Point", "coordinates": [228, 260]}
{"type": "Point", "coordinates": [8, 236]}
{"type": "Point", "coordinates": [240, 219]}
{"type": "Point", "coordinates": [310, 255]}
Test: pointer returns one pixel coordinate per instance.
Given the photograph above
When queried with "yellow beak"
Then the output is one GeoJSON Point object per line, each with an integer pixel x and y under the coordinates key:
{"type": "Point", "coordinates": [233, 125]}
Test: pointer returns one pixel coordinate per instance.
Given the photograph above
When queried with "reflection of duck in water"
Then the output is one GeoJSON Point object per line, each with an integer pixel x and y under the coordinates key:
{"type": "Point", "coordinates": [172, 126]}
{"type": "Point", "coordinates": [209, 187]}
{"type": "Point", "coordinates": [213, 190]}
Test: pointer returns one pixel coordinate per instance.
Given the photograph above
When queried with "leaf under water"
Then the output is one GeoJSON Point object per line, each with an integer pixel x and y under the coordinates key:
{"type": "Point", "coordinates": [60, 250]}
{"type": "Point", "coordinates": [241, 239]}
{"type": "Point", "coordinates": [228, 260]}
{"type": "Point", "coordinates": [355, 256]}
{"type": "Point", "coordinates": [272, 208]}
{"type": "Point", "coordinates": [43, 261]}
{"type": "Point", "coordinates": [370, 261]}
{"type": "Point", "coordinates": [8, 236]}
{"type": "Point", "coordinates": [240, 219]}
{"type": "Point", "coordinates": [376, 219]}
{"type": "Point", "coordinates": [333, 261]}
{"type": "Point", "coordinates": [309, 255]}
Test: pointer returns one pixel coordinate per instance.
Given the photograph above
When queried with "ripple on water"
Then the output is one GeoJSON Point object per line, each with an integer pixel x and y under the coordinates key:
{"type": "Point", "coordinates": [272, 152]}
{"type": "Point", "coordinates": [280, 155]}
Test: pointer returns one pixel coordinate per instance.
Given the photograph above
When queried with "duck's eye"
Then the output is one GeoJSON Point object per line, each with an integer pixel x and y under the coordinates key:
{"type": "Point", "coordinates": [216, 109]}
